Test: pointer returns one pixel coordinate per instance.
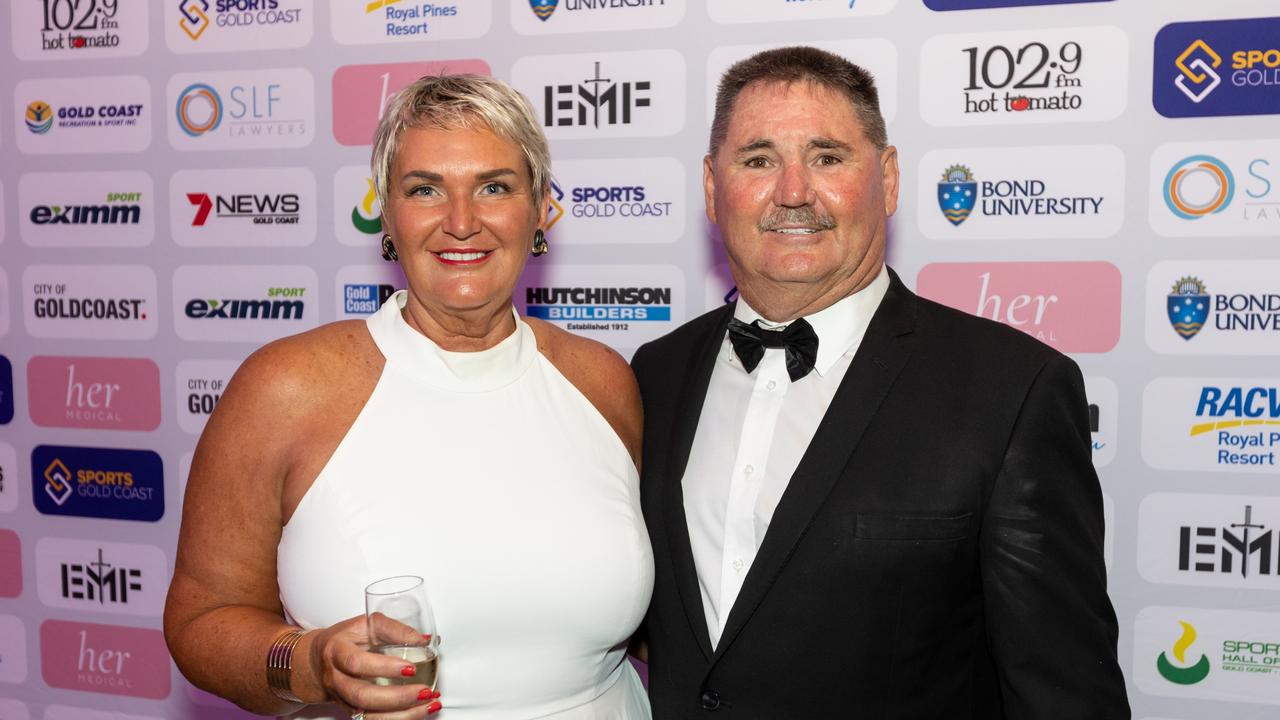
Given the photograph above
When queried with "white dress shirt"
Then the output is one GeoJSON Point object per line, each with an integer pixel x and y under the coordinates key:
{"type": "Point", "coordinates": [752, 432]}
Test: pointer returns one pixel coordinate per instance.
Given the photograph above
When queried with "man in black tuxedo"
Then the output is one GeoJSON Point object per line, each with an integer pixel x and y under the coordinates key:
{"type": "Point", "coordinates": [886, 508]}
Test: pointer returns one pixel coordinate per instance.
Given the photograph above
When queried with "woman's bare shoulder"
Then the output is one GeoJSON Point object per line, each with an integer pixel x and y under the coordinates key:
{"type": "Point", "coordinates": [600, 374]}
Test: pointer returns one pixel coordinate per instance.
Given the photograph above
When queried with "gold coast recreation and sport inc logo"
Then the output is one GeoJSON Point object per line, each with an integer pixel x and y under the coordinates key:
{"type": "Point", "coordinates": [1183, 672]}
{"type": "Point", "coordinates": [39, 117]}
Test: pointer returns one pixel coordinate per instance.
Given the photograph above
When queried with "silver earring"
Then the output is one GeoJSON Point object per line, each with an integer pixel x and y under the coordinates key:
{"type": "Point", "coordinates": [539, 243]}
{"type": "Point", "coordinates": [388, 249]}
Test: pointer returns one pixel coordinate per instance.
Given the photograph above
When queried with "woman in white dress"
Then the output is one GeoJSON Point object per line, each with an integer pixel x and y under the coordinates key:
{"type": "Point", "coordinates": [445, 437]}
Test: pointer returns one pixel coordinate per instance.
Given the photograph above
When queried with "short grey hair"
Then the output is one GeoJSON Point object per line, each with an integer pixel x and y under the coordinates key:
{"type": "Point", "coordinates": [452, 102]}
{"type": "Point", "coordinates": [801, 64]}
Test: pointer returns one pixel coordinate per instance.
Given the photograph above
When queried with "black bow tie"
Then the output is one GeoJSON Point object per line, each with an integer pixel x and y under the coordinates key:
{"type": "Point", "coordinates": [798, 340]}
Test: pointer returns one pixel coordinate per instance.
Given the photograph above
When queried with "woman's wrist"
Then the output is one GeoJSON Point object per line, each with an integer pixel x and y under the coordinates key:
{"type": "Point", "coordinates": [280, 662]}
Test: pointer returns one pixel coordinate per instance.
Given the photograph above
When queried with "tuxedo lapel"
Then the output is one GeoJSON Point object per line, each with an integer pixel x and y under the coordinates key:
{"type": "Point", "coordinates": [685, 426]}
{"type": "Point", "coordinates": [879, 359]}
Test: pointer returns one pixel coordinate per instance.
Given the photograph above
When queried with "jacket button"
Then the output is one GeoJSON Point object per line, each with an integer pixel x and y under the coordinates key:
{"type": "Point", "coordinates": [710, 700]}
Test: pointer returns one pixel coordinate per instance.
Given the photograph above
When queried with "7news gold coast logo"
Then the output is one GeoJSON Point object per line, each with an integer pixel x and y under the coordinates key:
{"type": "Point", "coordinates": [1188, 307]}
{"type": "Point", "coordinates": [1184, 672]}
{"type": "Point", "coordinates": [1224, 67]}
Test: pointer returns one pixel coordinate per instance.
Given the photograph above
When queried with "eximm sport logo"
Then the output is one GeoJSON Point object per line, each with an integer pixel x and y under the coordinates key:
{"type": "Point", "coordinates": [1217, 68]}
{"type": "Point", "coordinates": [86, 209]}
{"type": "Point", "coordinates": [243, 303]}
{"type": "Point", "coordinates": [97, 482]}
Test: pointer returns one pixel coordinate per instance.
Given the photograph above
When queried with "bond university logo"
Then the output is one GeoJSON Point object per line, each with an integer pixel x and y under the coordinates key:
{"type": "Point", "coordinates": [193, 20]}
{"type": "Point", "coordinates": [57, 481]}
{"type": "Point", "coordinates": [1188, 307]}
{"type": "Point", "coordinates": [1183, 673]}
{"type": "Point", "coordinates": [39, 117]}
{"type": "Point", "coordinates": [1196, 78]}
{"type": "Point", "coordinates": [957, 193]}
{"type": "Point", "coordinates": [1197, 186]}
{"type": "Point", "coordinates": [543, 8]}
{"type": "Point", "coordinates": [366, 215]}
{"type": "Point", "coordinates": [199, 109]}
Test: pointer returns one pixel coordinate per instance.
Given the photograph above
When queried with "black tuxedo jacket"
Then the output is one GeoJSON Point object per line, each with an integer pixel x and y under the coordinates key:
{"type": "Point", "coordinates": [937, 553]}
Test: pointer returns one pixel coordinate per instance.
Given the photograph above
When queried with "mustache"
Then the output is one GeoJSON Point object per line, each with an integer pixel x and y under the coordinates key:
{"type": "Point", "coordinates": [788, 216]}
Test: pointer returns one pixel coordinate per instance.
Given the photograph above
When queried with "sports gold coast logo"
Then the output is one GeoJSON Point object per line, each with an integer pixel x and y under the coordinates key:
{"type": "Point", "coordinates": [57, 481]}
{"type": "Point", "coordinates": [1197, 71]}
{"type": "Point", "coordinates": [1182, 673]}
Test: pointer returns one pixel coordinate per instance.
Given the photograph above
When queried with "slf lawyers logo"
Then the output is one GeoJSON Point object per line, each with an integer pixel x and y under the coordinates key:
{"type": "Point", "coordinates": [1197, 186]}
{"type": "Point", "coordinates": [199, 109]}
{"type": "Point", "coordinates": [1183, 673]}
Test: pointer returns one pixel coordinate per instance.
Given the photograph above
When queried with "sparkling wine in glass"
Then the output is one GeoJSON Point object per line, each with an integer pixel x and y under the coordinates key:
{"type": "Point", "coordinates": [401, 625]}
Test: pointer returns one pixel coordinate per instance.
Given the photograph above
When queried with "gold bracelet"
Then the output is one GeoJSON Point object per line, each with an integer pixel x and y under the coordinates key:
{"type": "Point", "coordinates": [280, 665]}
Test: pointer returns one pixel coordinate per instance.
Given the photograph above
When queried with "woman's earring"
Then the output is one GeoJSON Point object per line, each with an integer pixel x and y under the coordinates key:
{"type": "Point", "coordinates": [388, 249]}
{"type": "Point", "coordinates": [539, 243]}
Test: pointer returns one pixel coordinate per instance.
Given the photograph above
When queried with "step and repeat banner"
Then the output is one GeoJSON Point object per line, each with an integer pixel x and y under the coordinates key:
{"type": "Point", "coordinates": [182, 181]}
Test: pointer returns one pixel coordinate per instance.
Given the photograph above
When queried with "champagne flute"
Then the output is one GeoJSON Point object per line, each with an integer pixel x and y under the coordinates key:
{"type": "Point", "coordinates": [401, 625]}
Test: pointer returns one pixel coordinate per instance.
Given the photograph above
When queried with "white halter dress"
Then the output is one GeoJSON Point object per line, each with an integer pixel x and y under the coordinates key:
{"type": "Point", "coordinates": [491, 476]}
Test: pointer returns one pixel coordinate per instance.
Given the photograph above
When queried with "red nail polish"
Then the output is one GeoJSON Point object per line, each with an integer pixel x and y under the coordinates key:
{"type": "Point", "coordinates": [427, 637]}
{"type": "Point", "coordinates": [425, 694]}
{"type": "Point", "coordinates": [435, 694]}
{"type": "Point", "coordinates": [434, 707]}
{"type": "Point", "coordinates": [407, 671]}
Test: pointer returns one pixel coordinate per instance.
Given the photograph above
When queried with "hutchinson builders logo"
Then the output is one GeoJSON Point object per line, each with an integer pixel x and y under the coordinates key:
{"type": "Point", "coordinates": [1188, 307]}
{"type": "Point", "coordinates": [1184, 672]}
{"type": "Point", "coordinates": [623, 306]}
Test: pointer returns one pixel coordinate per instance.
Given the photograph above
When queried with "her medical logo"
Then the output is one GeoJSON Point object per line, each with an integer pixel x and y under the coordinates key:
{"type": "Point", "coordinates": [1197, 186]}
{"type": "Point", "coordinates": [199, 109]}
{"type": "Point", "coordinates": [1188, 307]}
{"type": "Point", "coordinates": [1224, 67]}
{"type": "Point", "coordinates": [1184, 672]}
{"type": "Point", "coordinates": [97, 482]}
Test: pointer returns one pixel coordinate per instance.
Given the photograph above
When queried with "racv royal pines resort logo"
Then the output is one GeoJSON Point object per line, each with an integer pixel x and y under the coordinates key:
{"type": "Point", "coordinates": [1217, 68]}
{"type": "Point", "coordinates": [360, 22]}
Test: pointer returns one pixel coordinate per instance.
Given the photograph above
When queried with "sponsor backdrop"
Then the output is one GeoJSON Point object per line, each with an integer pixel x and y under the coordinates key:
{"type": "Point", "coordinates": [182, 181]}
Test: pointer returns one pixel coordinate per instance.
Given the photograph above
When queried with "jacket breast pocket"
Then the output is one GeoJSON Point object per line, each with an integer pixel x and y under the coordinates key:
{"type": "Point", "coordinates": [913, 528]}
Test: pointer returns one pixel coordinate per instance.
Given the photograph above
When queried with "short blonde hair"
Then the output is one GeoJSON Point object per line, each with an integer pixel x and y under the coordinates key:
{"type": "Point", "coordinates": [451, 102]}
